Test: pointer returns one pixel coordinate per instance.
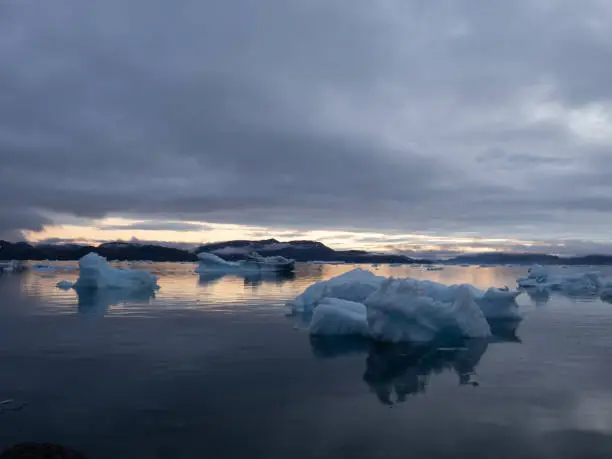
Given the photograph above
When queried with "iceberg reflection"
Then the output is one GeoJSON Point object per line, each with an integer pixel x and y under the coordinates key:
{"type": "Point", "coordinates": [96, 302]}
{"type": "Point", "coordinates": [539, 297]}
{"type": "Point", "coordinates": [396, 371]}
{"type": "Point", "coordinates": [253, 279]}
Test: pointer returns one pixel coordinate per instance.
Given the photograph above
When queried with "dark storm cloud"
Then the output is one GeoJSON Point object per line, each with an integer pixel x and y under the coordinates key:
{"type": "Point", "coordinates": [366, 115]}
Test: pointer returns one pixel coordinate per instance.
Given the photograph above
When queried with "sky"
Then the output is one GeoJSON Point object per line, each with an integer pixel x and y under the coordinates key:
{"type": "Point", "coordinates": [407, 125]}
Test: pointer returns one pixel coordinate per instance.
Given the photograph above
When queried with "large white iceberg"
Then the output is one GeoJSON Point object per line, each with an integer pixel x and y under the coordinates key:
{"type": "Point", "coordinates": [401, 310]}
{"type": "Point", "coordinates": [538, 277]}
{"type": "Point", "coordinates": [96, 273]}
{"type": "Point", "coordinates": [361, 303]}
{"type": "Point", "coordinates": [209, 262]}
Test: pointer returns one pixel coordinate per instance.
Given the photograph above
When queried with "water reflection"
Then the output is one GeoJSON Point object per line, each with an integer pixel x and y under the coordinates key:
{"type": "Point", "coordinates": [396, 371]}
{"type": "Point", "coordinates": [541, 296]}
{"type": "Point", "coordinates": [254, 279]}
{"type": "Point", "coordinates": [96, 302]}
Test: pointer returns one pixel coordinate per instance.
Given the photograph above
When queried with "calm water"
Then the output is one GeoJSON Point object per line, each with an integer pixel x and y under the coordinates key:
{"type": "Point", "coordinates": [214, 368]}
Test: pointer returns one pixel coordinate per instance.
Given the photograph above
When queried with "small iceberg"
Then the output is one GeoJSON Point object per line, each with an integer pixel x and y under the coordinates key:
{"type": "Point", "coordinates": [396, 310]}
{"type": "Point", "coordinates": [209, 262]}
{"type": "Point", "coordinates": [96, 273]}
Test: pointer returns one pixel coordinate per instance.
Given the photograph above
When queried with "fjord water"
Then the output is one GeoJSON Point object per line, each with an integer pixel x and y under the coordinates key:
{"type": "Point", "coordinates": [212, 366]}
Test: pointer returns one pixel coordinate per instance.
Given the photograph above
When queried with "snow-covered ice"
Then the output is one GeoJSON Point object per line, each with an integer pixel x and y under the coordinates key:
{"type": "Point", "coordinates": [361, 303]}
{"type": "Point", "coordinates": [96, 273]}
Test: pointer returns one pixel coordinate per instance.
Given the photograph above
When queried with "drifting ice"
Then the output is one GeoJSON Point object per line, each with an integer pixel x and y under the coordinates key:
{"type": "Point", "coordinates": [361, 303]}
{"type": "Point", "coordinates": [95, 273]}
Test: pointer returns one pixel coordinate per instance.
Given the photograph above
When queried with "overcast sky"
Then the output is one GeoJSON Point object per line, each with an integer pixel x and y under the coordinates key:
{"type": "Point", "coordinates": [371, 117]}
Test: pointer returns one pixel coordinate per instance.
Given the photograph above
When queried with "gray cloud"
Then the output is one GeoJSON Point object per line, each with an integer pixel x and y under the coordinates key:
{"type": "Point", "coordinates": [393, 116]}
{"type": "Point", "coordinates": [159, 226]}
{"type": "Point", "coordinates": [564, 248]}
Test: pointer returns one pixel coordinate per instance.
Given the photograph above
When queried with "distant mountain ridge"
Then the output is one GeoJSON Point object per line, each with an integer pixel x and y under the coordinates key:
{"type": "Point", "coordinates": [231, 250]}
{"type": "Point", "coordinates": [301, 251]}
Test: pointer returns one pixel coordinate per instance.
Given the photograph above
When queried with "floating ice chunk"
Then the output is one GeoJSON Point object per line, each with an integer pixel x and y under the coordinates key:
{"type": "Point", "coordinates": [339, 317]}
{"type": "Point", "coordinates": [355, 285]}
{"type": "Point", "coordinates": [573, 284]}
{"type": "Point", "coordinates": [209, 261]}
{"type": "Point", "coordinates": [536, 276]}
{"type": "Point", "coordinates": [498, 303]}
{"type": "Point", "coordinates": [537, 271]}
{"type": "Point", "coordinates": [255, 262]}
{"type": "Point", "coordinates": [585, 283]}
{"type": "Point", "coordinates": [65, 285]}
{"type": "Point", "coordinates": [402, 310]}
{"type": "Point", "coordinates": [95, 272]}
{"type": "Point", "coordinates": [45, 268]}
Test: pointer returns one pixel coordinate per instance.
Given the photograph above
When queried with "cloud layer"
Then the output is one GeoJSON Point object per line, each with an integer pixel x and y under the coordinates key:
{"type": "Point", "coordinates": [393, 116]}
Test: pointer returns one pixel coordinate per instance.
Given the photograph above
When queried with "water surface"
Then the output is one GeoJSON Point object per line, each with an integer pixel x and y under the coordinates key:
{"type": "Point", "coordinates": [213, 367]}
